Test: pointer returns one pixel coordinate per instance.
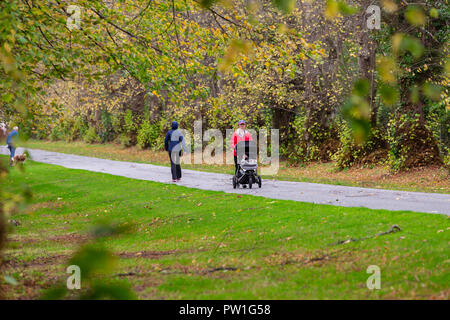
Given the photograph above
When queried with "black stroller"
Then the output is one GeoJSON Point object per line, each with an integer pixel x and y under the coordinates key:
{"type": "Point", "coordinates": [247, 170]}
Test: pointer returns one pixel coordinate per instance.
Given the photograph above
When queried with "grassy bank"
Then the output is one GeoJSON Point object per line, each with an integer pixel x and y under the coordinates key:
{"type": "Point", "coordinates": [423, 180]}
{"type": "Point", "coordinates": [196, 244]}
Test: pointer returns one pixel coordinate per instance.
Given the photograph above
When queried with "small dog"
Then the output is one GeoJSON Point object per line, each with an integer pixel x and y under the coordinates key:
{"type": "Point", "coordinates": [20, 158]}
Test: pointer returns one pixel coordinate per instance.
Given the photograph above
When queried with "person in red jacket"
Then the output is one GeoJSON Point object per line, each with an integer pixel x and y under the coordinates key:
{"type": "Point", "coordinates": [239, 135]}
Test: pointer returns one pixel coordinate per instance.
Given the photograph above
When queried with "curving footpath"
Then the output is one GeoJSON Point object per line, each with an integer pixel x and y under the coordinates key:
{"type": "Point", "coordinates": [275, 189]}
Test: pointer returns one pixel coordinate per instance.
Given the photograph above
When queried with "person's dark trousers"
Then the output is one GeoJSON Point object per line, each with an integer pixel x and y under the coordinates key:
{"type": "Point", "coordinates": [12, 150]}
{"type": "Point", "coordinates": [235, 165]}
{"type": "Point", "coordinates": [175, 165]}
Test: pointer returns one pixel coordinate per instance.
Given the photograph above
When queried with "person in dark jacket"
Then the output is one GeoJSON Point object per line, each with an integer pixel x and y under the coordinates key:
{"type": "Point", "coordinates": [10, 141]}
{"type": "Point", "coordinates": [172, 143]}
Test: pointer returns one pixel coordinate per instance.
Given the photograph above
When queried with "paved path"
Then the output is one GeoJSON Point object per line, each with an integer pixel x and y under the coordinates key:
{"type": "Point", "coordinates": [286, 190]}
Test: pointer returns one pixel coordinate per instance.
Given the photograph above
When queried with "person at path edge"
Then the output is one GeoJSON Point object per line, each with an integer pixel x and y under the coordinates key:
{"type": "Point", "coordinates": [10, 141]}
{"type": "Point", "coordinates": [172, 143]}
{"type": "Point", "coordinates": [239, 135]}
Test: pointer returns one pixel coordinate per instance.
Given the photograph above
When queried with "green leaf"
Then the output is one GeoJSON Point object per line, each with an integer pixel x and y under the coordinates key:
{"type": "Point", "coordinates": [389, 94]}
{"type": "Point", "coordinates": [92, 260]}
{"type": "Point", "coordinates": [361, 87]}
{"type": "Point", "coordinates": [413, 45]}
{"type": "Point", "coordinates": [357, 112]}
{"type": "Point", "coordinates": [285, 6]}
{"type": "Point", "coordinates": [415, 15]}
{"type": "Point", "coordinates": [346, 9]}
{"type": "Point", "coordinates": [207, 3]}
{"type": "Point", "coordinates": [414, 95]}
{"type": "Point", "coordinates": [386, 68]}
{"type": "Point", "coordinates": [432, 91]}
{"type": "Point", "coordinates": [7, 97]}
{"type": "Point", "coordinates": [56, 293]}
{"type": "Point", "coordinates": [333, 8]}
{"type": "Point", "coordinates": [434, 13]}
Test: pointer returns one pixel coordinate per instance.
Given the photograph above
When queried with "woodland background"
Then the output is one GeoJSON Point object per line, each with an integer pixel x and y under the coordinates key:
{"type": "Point", "coordinates": [337, 90]}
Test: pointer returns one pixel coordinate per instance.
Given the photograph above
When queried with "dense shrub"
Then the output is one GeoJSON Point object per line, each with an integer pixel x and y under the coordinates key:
{"type": "Point", "coordinates": [125, 140]}
{"type": "Point", "coordinates": [447, 161]}
{"type": "Point", "coordinates": [56, 134]}
{"type": "Point", "coordinates": [129, 126]}
{"type": "Point", "coordinates": [145, 135]}
{"type": "Point", "coordinates": [79, 129]}
{"type": "Point", "coordinates": [128, 136]}
{"type": "Point", "coordinates": [373, 151]}
{"type": "Point", "coordinates": [106, 130]}
{"type": "Point", "coordinates": [438, 120]}
{"type": "Point", "coordinates": [41, 134]}
{"type": "Point", "coordinates": [308, 141]}
{"type": "Point", "coordinates": [150, 136]}
{"type": "Point", "coordinates": [91, 136]}
{"type": "Point", "coordinates": [411, 144]}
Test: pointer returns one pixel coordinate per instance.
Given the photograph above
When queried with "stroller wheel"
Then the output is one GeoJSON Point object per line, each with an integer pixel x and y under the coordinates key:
{"type": "Point", "coordinates": [259, 181]}
{"type": "Point", "coordinates": [234, 182]}
{"type": "Point", "coordinates": [250, 182]}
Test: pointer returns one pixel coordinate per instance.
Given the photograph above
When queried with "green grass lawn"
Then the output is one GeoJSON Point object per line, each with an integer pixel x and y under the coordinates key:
{"type": "Point", "coordinates": [194, 244]}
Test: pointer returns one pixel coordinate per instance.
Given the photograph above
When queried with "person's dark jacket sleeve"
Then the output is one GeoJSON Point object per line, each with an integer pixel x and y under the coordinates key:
{"type": "Point", "coordinates": [167, 140]}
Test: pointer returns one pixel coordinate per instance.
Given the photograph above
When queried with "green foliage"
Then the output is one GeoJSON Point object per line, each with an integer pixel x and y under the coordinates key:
{"type": "Point", "coordinates": [56, 134]}
{"type": "Point", "coordinates": [389, 94]}
{"type": "Point", "coordinates": [150, 136]}
{"type": "Point", "coordinates": [42, 133]}
{"type": "Point", "coordinates": [415, 15]}
{"type": "Point", "coordinates": [125, 140]}
{"type": "Point", "coordinates": [438, 118]}
{"type": "Point", "coordinates": [11, 203]}
{"type": "Point", "coordinates": [96, 263]}
{"type": "Point", "coordinates": [93, 260]}
{"type": "Point", "coordinates": [79, 129]}
{"type": "Point", "coordinates": [411, 143]}
{"type": "Point", "coordinates": [447, 161]}
{"type": "Point", "coordinates": [106, 131]}
{"type": "Point", "coordinates": [334, 8]}
{"type": "Point", "coordinates": [295, 151]}
{"type": "Point", "coordinates": [373, 150]}
{"type": "Point", "coordinates": [280, 64]}
{"type": "Point", "coordinates": [129, 126]}
{"type": "Point", "coordinates": [357, 111]}
{"type": "Point", "coordinates": [91, 136]}
{"type": "Point", "coordinates": [286, 6]}
{"type": "Point", "coordinates": [411, 76]}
